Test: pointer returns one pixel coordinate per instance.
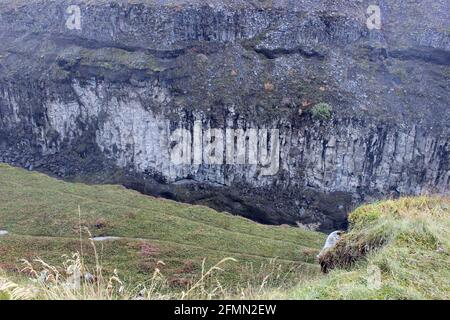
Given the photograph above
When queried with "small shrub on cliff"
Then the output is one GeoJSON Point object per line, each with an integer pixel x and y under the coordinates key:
{"type": "Point", "coordinates": [322, 111]}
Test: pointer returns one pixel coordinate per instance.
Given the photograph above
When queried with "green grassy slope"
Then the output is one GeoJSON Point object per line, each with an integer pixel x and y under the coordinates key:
{"type": "Point", "coordinates": [408, 242]}
{"type": "Point", "coordinates": [396, 249]}
{"type": "Point", "coordinates": [41, 215]}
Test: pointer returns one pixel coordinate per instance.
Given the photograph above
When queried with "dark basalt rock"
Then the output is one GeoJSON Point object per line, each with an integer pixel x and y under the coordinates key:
{"type": "Point", "coordinates": [99, 104]}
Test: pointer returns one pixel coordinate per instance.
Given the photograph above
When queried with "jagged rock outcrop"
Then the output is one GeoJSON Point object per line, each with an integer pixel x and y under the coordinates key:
{"type": "Point", "coordinates": [101, 101]}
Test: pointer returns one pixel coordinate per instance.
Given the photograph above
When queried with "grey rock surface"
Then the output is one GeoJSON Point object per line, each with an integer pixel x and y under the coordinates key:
{"type": "Point", "coordinates": [105, 238]}
{"type": "Point", "coordinates": [100, 103]}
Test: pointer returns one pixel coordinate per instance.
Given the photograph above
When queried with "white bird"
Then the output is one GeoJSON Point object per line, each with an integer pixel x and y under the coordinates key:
{"type": "Point", "coordinates": [331, 241]}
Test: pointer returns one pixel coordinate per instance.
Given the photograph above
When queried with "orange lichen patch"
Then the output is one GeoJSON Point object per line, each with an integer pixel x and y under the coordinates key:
{"type": "Point", "coordinates": [268, 86]}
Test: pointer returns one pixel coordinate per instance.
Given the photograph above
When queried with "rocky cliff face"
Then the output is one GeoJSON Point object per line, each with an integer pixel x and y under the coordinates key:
{"type": "Point", "coordinates": [101, 100]}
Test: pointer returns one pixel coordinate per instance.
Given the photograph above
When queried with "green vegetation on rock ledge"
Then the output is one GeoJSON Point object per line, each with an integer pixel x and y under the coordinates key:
{"type": "Point", "coordinates": [322, 111]}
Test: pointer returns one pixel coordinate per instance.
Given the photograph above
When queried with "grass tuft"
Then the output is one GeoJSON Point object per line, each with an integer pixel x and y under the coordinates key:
{"type": "Point", "coordinates": [406, 242]}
